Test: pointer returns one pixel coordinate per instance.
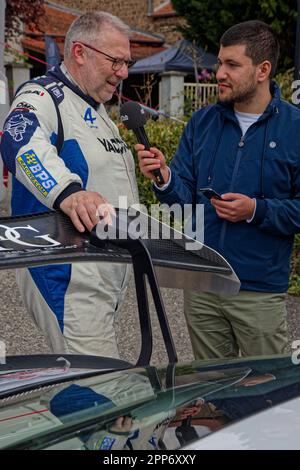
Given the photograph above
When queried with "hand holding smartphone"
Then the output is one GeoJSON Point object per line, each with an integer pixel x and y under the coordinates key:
{"type": "Point", "coordinates": [209, 193]}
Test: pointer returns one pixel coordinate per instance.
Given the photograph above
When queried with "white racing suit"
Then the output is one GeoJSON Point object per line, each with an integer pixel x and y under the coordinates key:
{"type": "Point", "coordinates": [74, 304]}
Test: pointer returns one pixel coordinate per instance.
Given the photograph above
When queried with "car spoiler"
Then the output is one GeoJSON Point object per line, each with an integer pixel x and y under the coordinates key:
{"type": "Point", "coordinates": [160, 254]}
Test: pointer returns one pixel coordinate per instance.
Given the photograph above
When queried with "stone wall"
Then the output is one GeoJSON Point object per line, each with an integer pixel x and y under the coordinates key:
{"type": "Point", "coordinates": [134, 13]}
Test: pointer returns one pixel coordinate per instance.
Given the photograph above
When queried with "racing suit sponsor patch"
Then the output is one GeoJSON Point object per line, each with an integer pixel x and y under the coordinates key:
{"type": "Point", "coordinates": [114, 145]}
{"type": "Point", "coordinates": [88, 117]}
{"type": "Point", "coordinates": [34, 92]}
{"type": "Point", "coordinates": [36, 172]}
{"type": "Point", "coordinates": [105, 444]}
{"type": "Point", "coordinates": [24, 106]}
{"type": "Point", "coordinates": [57, 91]}
{"type": "Point", "coordinates": [16, 126]}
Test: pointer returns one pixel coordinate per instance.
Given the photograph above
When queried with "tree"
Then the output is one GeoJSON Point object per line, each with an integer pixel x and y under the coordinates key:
{"type": "Point", "coordinates": [18, 12]}
{"type": "Point", "coordinates": [207, 20]}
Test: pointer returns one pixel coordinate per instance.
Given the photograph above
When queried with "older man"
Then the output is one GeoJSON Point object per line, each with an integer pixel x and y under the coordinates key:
{"type": "Point", "coordinates": [65, 153]}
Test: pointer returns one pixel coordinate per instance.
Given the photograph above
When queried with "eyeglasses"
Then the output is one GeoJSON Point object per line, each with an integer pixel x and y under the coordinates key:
{"type": "Point", "coordinates": [116, 63]}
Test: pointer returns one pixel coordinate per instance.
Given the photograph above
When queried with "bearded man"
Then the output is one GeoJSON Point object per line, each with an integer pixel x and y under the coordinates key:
{"type": "Point", "coordinates": [246, 148]}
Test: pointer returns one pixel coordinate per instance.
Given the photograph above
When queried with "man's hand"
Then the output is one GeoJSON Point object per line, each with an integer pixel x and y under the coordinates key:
{"type": "Point", "coordinates": [234, 207]}
{"type": "Point", "coordinates": [84, 209]}
{"type": "Point", "coordinates": [150, 160]}
{"type": "Point", "coordinates": [122, 424]}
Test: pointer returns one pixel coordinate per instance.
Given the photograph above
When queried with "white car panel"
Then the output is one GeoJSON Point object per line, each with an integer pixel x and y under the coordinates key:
{"type": "Point", "coordinates": [277, 428]}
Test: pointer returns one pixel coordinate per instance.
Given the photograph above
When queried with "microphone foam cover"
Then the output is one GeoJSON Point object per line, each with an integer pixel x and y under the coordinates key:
{"type": "Point", "coordinates": [132, 115]}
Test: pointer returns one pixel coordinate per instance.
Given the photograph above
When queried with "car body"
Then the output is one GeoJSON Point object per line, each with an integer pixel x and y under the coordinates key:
{"type": "Point", "coordinates": [83, 403]}
{"type": "Point", "coordinates": [97, 403]}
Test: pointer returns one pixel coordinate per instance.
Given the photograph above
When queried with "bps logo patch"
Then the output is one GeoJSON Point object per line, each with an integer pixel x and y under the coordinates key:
{"type": "Point", "coordinates": [34, 170]}
{"type": "Point", "coordinates": [105, 444]}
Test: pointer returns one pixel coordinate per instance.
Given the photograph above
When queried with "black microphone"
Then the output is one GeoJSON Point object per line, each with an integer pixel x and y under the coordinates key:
{"type": "Point", "coordinates": [134, 118]}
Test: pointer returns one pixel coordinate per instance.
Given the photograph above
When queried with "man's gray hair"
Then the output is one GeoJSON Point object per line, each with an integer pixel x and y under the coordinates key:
{"type": "Point", "coordinates": [89, 26]}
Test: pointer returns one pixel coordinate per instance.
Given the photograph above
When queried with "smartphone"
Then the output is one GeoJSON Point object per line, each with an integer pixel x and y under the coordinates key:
{"type": "Point", "coordinates": [209, 193]}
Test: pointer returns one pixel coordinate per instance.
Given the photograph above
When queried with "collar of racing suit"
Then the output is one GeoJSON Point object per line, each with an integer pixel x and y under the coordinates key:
{"type": "Point", "coordinates": [60, 75]}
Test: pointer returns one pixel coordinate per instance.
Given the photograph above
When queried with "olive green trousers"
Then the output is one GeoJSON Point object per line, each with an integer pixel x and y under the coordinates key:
{"type": "Point", "coordinates": [247, 324]}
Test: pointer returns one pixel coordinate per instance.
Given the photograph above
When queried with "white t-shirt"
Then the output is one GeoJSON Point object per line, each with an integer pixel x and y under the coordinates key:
{"type": "Point", "coordinates": [246, 120]}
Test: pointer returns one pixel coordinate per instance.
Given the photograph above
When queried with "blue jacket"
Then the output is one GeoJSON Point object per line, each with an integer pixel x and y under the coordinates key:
{"type": "Point", "coordinates": [264, 164]}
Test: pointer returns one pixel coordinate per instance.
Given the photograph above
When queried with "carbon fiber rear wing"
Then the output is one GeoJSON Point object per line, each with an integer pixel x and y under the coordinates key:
{"type": "Point", "coordinates": [168, 258]}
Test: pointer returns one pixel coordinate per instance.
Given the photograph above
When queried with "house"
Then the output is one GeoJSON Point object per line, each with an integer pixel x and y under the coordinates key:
{"type": "Point", "coordinates": [152, 16]}
{"type": "Point", "coordinates": [154, 24]}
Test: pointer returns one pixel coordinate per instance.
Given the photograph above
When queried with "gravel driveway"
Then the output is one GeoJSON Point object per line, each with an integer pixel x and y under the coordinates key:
{"type": "Point", "coordinates": [22, 337]}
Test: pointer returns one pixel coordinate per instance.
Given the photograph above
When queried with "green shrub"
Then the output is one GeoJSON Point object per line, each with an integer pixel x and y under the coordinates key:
{"type": "Point", "coordinates": [294, 288]}
{"type": "Point", "coordinates": [165, 135]}
{"type": "Point", "coordinates": [285, 81]}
